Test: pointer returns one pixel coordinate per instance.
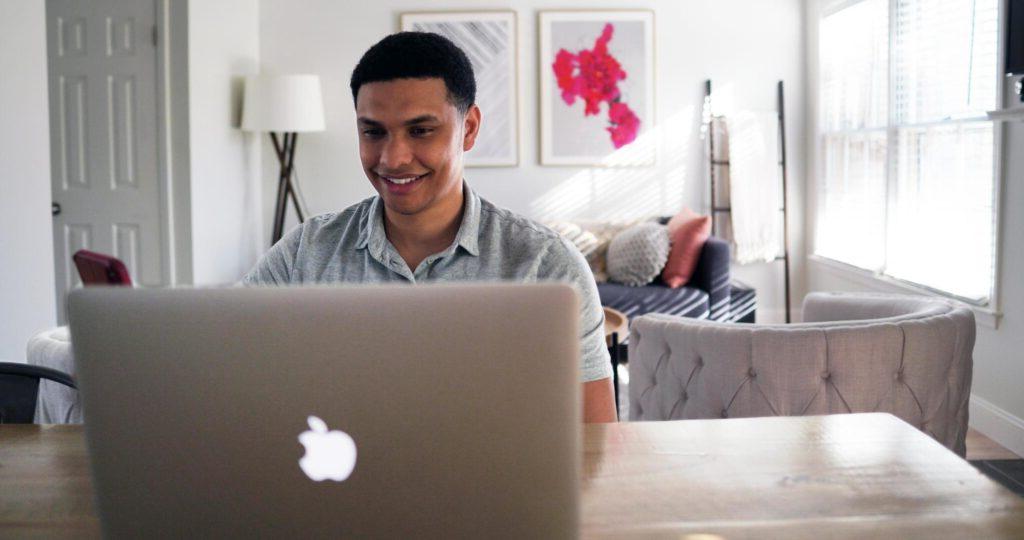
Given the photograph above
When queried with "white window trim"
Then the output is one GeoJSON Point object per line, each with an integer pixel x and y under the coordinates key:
{"type": "Point", "coordinates": [988, 314]}
{"type": "Point", "coordinates": [828, 7]}
{"type": "Point", "coordinates": [878, 282]}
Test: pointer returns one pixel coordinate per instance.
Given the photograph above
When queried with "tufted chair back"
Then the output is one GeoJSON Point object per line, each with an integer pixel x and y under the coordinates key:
{"type": "Point", "coordinates": [906, 355]}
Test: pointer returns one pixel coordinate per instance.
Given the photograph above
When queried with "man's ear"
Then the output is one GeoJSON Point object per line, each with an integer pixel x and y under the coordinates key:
{"type": "Point", "coordinates": [470, 128]}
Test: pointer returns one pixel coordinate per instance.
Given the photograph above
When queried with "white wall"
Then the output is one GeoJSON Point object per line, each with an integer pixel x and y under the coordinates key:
{"type": "Point", "coordinates": [744, 46]}
{"type": "Point", "coordinates": [27, 297]}
{"type": "Point", "coordinates": [224, 46]}
{"type": "Point", "coordinates": [997, 402]}
{"type": "Point", "coordinates": [999, 353]}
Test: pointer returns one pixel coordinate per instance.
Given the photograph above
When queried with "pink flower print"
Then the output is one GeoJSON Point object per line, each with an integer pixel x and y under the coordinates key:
{"type": "Point", "coordinates": [593, 75]}
{"type": "Point", "coordinates": [625, 124]}
{"type": "Point", "coordinates": [565, 64]}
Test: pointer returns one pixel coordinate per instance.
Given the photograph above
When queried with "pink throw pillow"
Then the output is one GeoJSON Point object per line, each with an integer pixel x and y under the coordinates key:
{"type": "Point", "coordinates": [688, 232]}
{"type": "Point", "coordinates": [681, 218]}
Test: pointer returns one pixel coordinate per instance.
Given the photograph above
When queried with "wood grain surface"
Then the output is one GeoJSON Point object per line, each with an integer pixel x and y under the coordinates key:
{"type": "Point", "coordinates": [45, 487]}
{"type": "Point", "coordinates": [840, 476]}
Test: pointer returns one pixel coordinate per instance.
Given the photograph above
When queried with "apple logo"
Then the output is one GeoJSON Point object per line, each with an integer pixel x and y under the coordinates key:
{"type": "Point", "coordinates": [330, 455]}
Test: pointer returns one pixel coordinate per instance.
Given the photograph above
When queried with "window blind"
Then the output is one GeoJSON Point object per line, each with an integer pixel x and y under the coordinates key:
{"type": "Point", "coordinates": [909, 165]}
{"type": "Point", "coordinates": [854, 96]}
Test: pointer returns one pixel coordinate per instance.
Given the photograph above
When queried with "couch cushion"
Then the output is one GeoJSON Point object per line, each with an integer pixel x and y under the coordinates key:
{"type": "Point", "coordinates": [688, 232]}
{"type": "Point", "coordinates": [638, 254]}
{"type": "Point", "coordinates": [655, 298]}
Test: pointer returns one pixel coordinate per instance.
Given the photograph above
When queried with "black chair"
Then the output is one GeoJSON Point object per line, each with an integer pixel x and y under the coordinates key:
{"type": "Point", "coordinates": [19, 390]}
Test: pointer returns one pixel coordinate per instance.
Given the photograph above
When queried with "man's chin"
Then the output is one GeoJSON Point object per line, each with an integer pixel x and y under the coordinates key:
{"type": "Point", "coordinates": [401, 207]}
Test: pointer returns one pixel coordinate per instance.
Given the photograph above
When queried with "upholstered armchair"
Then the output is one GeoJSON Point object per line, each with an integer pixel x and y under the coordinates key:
{"type": "Point", "coordinates": [57, 403]}
{"type": "Point", "coordinates": [910, 356]}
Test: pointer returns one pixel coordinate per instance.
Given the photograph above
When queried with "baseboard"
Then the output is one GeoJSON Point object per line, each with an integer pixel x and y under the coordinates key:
{"type": "Point", "coordinates": [997, 424]}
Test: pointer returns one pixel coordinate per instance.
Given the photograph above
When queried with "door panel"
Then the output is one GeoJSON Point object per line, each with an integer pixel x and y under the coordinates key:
{"type": "Point", "coordinates": [103, 124]}
{"type": "Point", "coordinates": [72, 118]}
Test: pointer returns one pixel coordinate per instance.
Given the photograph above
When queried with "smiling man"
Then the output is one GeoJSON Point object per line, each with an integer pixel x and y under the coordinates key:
{"type": "Point", "coordinates": [414, 96]}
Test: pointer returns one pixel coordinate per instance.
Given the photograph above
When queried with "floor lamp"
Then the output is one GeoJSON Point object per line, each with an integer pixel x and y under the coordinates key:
{"type": "Point", "coordinates": [284, 106]}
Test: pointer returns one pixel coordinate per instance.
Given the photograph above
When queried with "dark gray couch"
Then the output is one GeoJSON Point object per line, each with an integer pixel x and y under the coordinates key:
{"type": "Point", "coordinates": [710, 294]}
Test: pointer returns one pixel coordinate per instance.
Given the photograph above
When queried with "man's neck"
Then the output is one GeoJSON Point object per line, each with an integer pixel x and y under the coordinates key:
{"type": "Point", "coordinates": [418, 236]}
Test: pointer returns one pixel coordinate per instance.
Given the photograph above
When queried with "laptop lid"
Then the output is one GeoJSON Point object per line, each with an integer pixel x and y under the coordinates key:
{"type": "Point", "coordinates": [459, 404]}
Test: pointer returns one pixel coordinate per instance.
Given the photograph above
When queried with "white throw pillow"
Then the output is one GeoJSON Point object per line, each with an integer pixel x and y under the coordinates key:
{"type": "Point", "coordinates": [584, 240]}
{"type": "Point", "coordinates": [638, 254]}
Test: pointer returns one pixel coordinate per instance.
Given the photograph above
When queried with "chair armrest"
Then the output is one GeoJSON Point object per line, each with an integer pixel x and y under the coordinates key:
{"type": "Point", "coordinates": [712, 276]}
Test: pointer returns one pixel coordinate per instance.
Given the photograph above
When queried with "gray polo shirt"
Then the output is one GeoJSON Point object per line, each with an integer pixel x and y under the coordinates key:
{"type": "Point", "coordinates": [492, 244]}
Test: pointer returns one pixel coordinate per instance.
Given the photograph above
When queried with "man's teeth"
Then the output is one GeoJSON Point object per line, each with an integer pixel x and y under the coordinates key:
{"type": "Point", "coordinates": [401, 181]}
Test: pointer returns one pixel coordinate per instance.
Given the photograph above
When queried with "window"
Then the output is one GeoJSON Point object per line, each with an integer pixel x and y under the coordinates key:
{"type": "Point", "coordinates": [908, 152]}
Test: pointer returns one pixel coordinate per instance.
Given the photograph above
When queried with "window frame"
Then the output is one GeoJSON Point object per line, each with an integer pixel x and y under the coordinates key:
{"type": "Point", "coordinates": [988, 311]}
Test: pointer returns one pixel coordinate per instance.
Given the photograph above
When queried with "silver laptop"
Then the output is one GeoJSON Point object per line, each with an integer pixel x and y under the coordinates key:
{"type": "Point", "coordinates": [438, 411]}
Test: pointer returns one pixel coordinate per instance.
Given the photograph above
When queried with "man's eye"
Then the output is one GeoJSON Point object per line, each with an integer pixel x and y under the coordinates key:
{"type": "Point", "coordinates": [373, 133]}
{"type": "Point", "coordinates": [421, 131]}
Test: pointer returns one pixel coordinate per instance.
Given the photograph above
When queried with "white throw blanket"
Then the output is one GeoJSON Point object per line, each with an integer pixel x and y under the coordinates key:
{"type": "Point", "coordinates": [755, 185]}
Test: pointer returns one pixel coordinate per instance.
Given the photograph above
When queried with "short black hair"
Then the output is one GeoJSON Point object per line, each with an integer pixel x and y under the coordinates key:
{"type": "Point", "coordinates": [418, 55]}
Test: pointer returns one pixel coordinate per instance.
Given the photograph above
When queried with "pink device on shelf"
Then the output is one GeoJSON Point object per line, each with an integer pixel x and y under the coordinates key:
{"type": "Point", "coordinates": [99, 269]}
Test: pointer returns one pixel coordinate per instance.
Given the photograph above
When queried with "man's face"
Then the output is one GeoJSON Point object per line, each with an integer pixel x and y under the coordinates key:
{"type": "Point", "coordinates": [411, 142]}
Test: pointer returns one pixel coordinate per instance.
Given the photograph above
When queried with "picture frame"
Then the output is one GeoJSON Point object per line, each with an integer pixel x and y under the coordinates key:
{"type": "Point", "coordinates": [490, 40]}
{"type": "Point", "coordinates": [608, 123]}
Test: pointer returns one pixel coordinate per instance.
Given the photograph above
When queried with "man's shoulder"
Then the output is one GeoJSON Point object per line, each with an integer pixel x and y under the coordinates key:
{"type": "Point", "coordinates": [525, 235]}
{"type": "Point", "coordinates": [516, 226]}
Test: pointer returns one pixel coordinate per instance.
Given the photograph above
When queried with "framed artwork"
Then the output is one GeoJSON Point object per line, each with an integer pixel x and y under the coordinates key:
{"type": "Point", "coordinates": [489, 40]}
{"type": "Point", "coordinates": [596, 88]}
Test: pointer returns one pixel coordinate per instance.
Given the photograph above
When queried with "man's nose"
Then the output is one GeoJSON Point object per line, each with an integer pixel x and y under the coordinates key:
{"type": "Point", "coordinates": [396, 153]}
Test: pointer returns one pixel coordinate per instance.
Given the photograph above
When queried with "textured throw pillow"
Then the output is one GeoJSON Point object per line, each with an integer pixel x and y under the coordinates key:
{"type": "Point", "coordinates": [604, 232]}
{"type": "Point", "coordinates": [637, 255]}
{"type": "Point", "coordinates": [688, 232]}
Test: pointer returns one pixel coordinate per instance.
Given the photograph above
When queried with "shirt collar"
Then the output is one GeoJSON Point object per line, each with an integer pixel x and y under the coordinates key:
{"type": "Point", "coordinates": [469, 232]}
{"type": "Point", "coordinates": [373, 237]}
{"type": "Point", "coordinates": [371, 231]}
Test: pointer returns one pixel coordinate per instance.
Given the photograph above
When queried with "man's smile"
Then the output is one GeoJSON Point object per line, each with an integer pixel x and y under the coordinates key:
{"type": "Point", "coordinates": [402, 183]}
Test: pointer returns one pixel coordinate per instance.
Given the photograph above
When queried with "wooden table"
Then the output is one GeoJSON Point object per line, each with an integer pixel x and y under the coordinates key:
{"type": "Point", "coordinates": [842, 476]}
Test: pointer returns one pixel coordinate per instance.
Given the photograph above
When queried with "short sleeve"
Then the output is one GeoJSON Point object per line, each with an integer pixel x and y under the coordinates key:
{"type": "Point", "coordinates": [275, 266]}
{"type": "Point", "coordinates": [564, 262]}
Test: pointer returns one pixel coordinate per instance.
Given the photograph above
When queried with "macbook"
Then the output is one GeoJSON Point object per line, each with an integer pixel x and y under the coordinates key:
{"type": "Point", "coordinates": [432, 411]}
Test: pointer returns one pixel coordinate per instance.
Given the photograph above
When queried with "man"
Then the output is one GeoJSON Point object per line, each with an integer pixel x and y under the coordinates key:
{"type": "Point", "coordinates": [414, 96]}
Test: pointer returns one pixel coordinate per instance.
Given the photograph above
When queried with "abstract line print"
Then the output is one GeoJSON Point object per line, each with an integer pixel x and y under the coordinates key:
{"type": "Point", "coordinates": [489, 40]}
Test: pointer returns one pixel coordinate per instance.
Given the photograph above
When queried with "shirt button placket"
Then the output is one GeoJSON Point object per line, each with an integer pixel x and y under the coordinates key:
{"type": "Point", "coordinates": [427, 267]}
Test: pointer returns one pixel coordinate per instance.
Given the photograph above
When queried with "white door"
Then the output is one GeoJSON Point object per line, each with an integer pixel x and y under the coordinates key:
{"type": "Point", "coordinates": [103, 136]}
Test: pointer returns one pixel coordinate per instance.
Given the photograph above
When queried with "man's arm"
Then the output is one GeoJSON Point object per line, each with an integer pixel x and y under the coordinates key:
{"type": "Point", "coordinates": [599, 401]}
{"type": "Point", "coordinates": [566, 263]}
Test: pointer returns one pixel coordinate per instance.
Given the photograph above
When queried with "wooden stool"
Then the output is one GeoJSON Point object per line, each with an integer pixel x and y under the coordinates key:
{"type": "Point", "coordinates": [615, 324]}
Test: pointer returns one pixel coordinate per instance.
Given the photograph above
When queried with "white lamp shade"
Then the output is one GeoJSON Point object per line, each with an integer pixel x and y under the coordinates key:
{"type": "Point", "coordinates": [283, 103]}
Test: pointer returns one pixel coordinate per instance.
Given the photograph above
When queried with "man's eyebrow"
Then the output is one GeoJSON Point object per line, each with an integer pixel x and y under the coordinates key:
{"type": "Point", "coordinates": [422, 119]}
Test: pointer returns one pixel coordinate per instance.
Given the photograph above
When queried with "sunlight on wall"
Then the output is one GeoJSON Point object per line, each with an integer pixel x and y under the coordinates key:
{"type": "Point", "coordinates": [615, 193]}
{"type": "Point", "coordinates": [723, 102]}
